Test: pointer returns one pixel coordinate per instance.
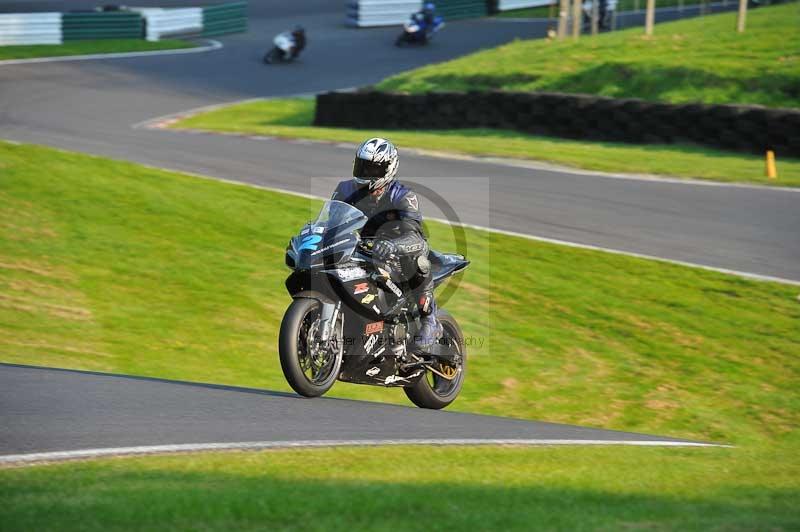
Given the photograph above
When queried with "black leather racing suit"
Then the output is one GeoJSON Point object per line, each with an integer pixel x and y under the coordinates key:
{"type": "Point", "coordinates": [299, 43]}
{"type": "Point", "coordinates": [395, 217]}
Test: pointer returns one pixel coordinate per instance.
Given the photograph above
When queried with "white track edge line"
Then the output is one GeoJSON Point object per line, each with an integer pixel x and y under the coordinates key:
{"type": "Point", "coordinates": [257, 445]}
{"type": "Point", "coordinates": [532, 164]}
{"type": "Point", "coordinates": [746, 275]}
{"type": "Point", "coordinates": [737, 273]}
{"type": "Point", "coordinates": [213, 45]}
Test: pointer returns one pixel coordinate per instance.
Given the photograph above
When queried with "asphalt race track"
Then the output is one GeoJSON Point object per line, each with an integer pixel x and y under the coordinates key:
{"type": "Point", "coordinates": [92, 106]}
{"type": "Point", "coordinates": [51, 410]}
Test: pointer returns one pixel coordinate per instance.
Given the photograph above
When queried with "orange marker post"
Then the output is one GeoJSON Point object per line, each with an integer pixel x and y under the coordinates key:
{"type": "Point", "coordinates": [772, 171]}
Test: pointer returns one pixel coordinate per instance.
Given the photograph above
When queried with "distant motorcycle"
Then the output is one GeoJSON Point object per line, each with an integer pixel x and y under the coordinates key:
{"type": "Point", "coordinates": [417, 31]}
{"type": "Point", "coordinates": [286, 47]}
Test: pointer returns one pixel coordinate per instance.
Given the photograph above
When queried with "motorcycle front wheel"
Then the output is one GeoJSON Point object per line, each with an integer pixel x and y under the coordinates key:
{"type": "Point", "coordinates": [440, 386]}
{"type": "Point", "coordinates": [310, 369]}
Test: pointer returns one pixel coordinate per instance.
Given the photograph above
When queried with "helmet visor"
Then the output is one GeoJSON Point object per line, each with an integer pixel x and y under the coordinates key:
{"type": "Point", "coordinates": [365, 171]}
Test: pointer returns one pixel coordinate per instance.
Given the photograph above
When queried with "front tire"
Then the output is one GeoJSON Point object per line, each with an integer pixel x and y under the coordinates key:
{"type": "Point", "coordinates": [436, 392]}
{"type": "Point", "coordinates": [308, 372]}
{"type": "Point", "coordinates": [273, 56]}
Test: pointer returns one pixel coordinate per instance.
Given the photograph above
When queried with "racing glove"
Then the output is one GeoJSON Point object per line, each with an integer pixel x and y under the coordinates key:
{"type": "Point", "coordinates": [390, 252]}
{"type": "Point", "coordinates": [386, 253]}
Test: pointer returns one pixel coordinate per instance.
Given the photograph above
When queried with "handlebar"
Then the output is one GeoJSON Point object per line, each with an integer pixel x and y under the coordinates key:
{"type": "Point", "coordinates": [366, 244]}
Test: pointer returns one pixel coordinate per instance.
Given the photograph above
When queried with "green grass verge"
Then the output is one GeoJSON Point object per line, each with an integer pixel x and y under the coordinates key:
{"type": "Point", "coordinates": [413, 488]}
{"type": "Point", "coordinates": [105, 46]}
{"type": "Point", "coordinates": [293, 118]}
{"type": "Point", "coordinates": [701, 59]}
{"type": "Point", "coordinates": [111, 266]}
{"type": "Point", "coordinates": [623, 5]}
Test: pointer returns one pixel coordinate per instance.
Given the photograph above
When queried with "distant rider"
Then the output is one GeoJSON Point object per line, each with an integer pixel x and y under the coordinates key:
{"type": "Point", "coordinates": [394, 221]}
{"type": "Point", "coordinates": [428, 13]}
{"type": "Point", "coordinates": [299, 37]}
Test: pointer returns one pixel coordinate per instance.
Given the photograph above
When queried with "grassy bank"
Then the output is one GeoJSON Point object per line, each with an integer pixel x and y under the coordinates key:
{"type": "Point", "coordinates": [111, 266]}
{"type": "Point", "coordinates": [413, 489]}
{"type": "Point", "coordinates": [114, 267]}
{"type": "Point", "coordinates": [105, 46]}
{"type": "Point", "coordinates": [701, 59]}
{"type": "Point", "coordinates": [293, 118]}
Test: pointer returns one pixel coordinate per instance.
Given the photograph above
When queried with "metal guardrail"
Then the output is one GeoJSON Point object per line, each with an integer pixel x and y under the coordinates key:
{"type": "Point", "coordinates": [30, 28]}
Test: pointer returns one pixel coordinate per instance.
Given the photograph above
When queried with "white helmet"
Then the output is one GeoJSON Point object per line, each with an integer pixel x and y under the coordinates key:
{"type": "Point", "coordinates": [375, 164]}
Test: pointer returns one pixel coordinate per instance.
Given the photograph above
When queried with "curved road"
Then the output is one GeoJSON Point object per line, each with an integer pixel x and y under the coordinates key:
{"type": "Point", "coordinates": [80, 414]}
{"type": "Point", "coordinates": [91, 106]}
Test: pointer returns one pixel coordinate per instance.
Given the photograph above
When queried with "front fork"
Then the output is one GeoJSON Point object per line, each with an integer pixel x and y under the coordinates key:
{"type": "Point", "coordinates": [327, 321]}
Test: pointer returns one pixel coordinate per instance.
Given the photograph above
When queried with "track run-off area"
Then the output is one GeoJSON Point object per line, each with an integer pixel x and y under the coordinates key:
{"type": "Point", "coordinates": [93, 106]}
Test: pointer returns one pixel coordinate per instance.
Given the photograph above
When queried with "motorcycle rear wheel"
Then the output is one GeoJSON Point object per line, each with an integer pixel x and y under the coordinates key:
{"type": "Point", "coordinates": [436, 392]}
{"type": "Point", "coordinates": [273, 56]}
{"type": "Point", "coordinates": [308, 372]}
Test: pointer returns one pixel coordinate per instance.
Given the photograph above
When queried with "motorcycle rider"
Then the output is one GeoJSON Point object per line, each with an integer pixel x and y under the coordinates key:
{"type": "Point", "coordinates": [395, 223]}
{"type": "Point", "coordinates": [299, 37]}
{"type": "Point", "coordinates": [428, 15]}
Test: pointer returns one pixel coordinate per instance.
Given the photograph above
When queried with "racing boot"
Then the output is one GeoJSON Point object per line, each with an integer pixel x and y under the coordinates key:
{"type": "Point", "coordinates": [430, 330]}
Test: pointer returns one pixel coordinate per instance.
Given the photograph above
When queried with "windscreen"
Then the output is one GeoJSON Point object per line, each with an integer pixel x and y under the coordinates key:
{"type": "Point", "coordinates": [330, 237]}
{"type": "Point", "coordinates": [338, 213]}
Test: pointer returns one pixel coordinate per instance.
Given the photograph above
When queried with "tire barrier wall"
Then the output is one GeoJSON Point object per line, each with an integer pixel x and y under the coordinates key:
{"type": "Point", "coordinates": [160, 23]}
{"type": "Point", "coordinates": [102, 25]}
{"type": "Point", "coordinates": [30, 28]}
{"type": "Point", "coordinates": [507, 5]}
{"type": "Point", "coordinates": [742, 128]}
{"type": "Point", "coordinates": [150, 23]}
{"type": "Point", "coordinates": [224, 19]}
{"type": "Point", "coordinates": [456, 9]}
{"type": "Point", "coordinates": [367, 13]}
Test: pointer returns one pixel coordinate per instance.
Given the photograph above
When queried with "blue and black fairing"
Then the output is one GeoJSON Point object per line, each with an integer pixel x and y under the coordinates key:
{"type": "Point", "coordinates": [443, 265]}
{"type": "Point", "coordinates": [328, 240]}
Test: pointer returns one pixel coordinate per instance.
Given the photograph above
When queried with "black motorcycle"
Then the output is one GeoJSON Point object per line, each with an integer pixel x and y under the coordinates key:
{"type": "Point", "coordinates": [286, 48]}
{"type": "Point", "coordinates": [350, 321]}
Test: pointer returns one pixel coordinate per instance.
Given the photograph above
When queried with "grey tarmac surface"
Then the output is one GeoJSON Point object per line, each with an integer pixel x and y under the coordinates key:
{"type": "Point", "coordinates": [90, 106]}
{"type": "Point", "coordinates": [44, 410]}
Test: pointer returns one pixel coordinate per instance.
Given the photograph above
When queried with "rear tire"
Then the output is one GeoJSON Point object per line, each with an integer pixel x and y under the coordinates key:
{"type": "Point", "coordinates": [293, 349]}
{"type": "Point", "coordinates": [433, 391]}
